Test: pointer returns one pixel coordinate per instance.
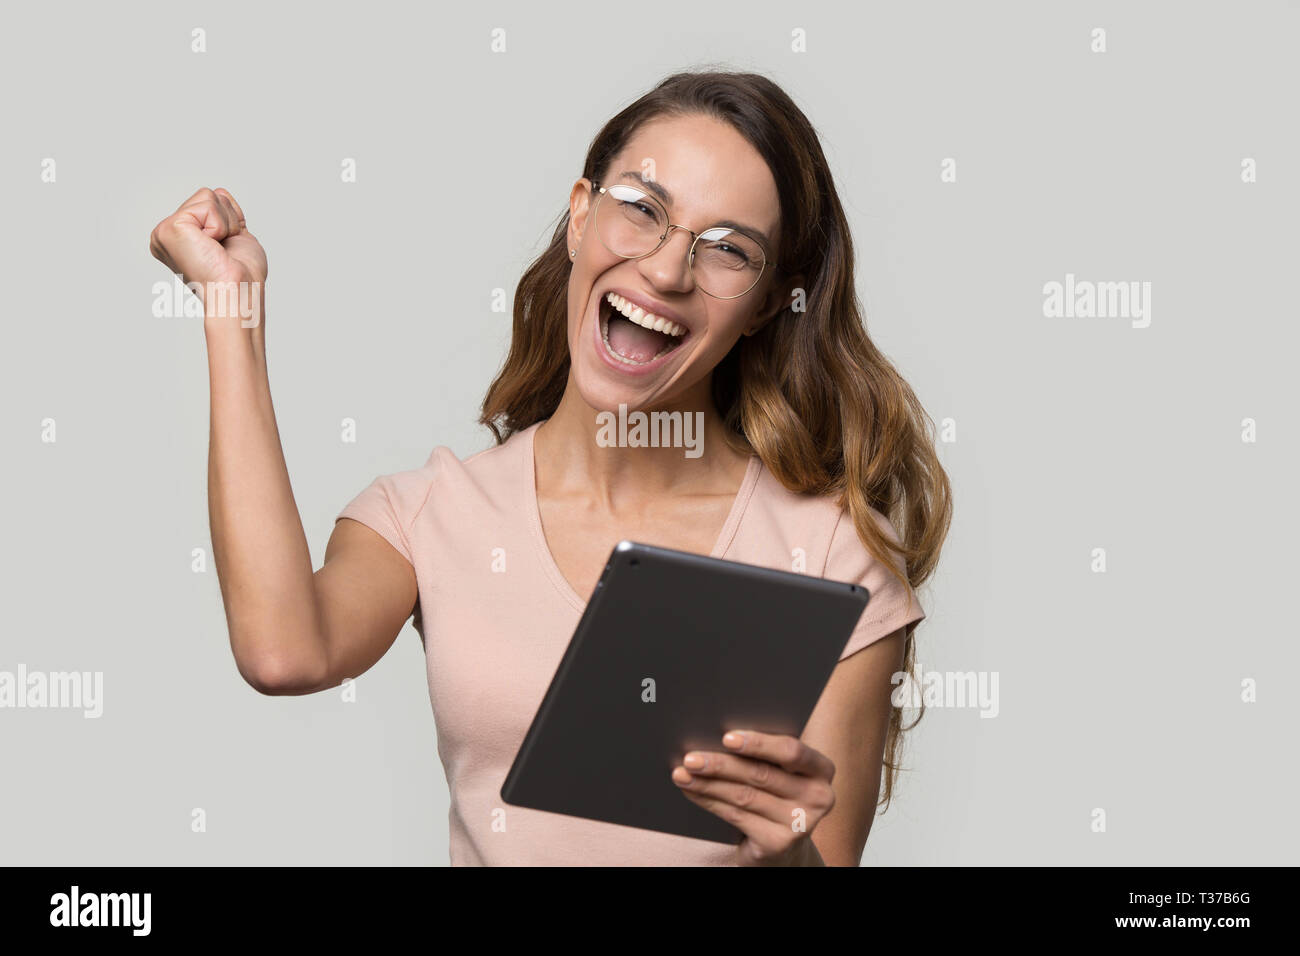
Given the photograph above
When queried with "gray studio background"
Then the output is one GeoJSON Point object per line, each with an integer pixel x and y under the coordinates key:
{"type": "Point", "coordinates": [1119, 691]}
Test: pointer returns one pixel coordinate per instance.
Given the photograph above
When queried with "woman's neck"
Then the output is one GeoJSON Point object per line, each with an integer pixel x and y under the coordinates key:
{"type": "Point", "coordinates": [609, 455]}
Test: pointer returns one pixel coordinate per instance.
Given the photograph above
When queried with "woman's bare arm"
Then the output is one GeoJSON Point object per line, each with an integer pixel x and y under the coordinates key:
{"type": "Point", "coordinates": [292, 631]}
{"type": "Point", "coordinates": [850, 725]}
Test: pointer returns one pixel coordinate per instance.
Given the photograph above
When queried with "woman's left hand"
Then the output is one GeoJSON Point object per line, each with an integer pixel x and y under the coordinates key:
{"type": "Point", "coordinates": [774, 788]}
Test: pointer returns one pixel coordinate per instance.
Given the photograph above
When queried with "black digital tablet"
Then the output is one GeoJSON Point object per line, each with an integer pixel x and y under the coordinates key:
{"type": "Point", "coordinates": [673, 650]}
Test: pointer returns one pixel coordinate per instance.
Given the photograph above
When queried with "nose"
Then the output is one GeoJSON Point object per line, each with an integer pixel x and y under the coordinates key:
{"type": "Point", "coordinates": [668, 266]}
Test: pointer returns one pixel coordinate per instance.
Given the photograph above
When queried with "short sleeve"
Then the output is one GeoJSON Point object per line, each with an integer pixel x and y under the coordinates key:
{"type": "Point", "coordinates": [891, 605]}
{"type": "Point", "coordinates": [390, 504]}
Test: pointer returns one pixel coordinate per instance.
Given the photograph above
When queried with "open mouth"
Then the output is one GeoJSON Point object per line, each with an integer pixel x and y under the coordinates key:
{"type": "Point", "coordinates": [635, 337]}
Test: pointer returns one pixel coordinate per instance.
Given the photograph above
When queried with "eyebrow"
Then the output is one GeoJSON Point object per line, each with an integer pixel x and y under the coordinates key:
{"type": "Point", "coordinates": [667, 199]}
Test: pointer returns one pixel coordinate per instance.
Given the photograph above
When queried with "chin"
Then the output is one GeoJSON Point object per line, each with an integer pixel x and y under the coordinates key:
{"type": "Point", "coordinates": [606, 396]}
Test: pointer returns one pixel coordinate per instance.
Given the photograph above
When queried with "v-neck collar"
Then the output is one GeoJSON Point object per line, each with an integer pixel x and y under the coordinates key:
{"type": "Point", "coordinates": [528, 475]}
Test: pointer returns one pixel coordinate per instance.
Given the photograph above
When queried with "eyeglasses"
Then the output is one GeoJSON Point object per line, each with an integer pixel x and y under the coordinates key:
{"type": "Point", "coordinates": [725, 262]}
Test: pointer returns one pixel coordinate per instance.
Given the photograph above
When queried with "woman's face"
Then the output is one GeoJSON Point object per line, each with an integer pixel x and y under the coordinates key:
{"type": "Point", "coordinates": [710, 174]}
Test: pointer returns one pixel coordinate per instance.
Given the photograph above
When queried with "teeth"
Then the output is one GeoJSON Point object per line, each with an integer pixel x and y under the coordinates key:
{"type": "Point", "coordinates": [623, 308]}
{"type": "Point", "coordinates": [634, 313]}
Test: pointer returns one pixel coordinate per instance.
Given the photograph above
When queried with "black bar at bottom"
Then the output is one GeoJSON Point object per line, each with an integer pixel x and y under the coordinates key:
{"type": "Point", "coordinates": [329, 905]}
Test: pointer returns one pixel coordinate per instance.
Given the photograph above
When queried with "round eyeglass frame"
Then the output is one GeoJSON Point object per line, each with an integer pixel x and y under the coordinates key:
{"type": "Point", "coordinates": [690, 254]}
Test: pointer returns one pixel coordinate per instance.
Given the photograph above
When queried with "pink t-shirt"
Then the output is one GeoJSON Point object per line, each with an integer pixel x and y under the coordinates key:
{"type": "Point", "coordinates": [496, 614]}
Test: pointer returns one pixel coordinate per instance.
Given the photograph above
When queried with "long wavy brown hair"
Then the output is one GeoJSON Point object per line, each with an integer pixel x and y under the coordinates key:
{"type": "Point", "coordinates": [810, 393]}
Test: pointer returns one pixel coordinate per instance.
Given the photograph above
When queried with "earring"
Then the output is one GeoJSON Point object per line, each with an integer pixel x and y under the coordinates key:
{"type": "Point", "coordinates": [573, 252]}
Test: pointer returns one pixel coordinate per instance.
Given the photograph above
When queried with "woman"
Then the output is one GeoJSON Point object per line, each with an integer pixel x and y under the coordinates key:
{"type": "Point", "coordinates": [703, 267]}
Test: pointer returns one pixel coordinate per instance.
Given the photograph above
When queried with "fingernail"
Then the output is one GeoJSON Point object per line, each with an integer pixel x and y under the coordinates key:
{"type": "Point", "coordinates": [694, 761]}
{"type": "Point", "coordinates": [733, 739]}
